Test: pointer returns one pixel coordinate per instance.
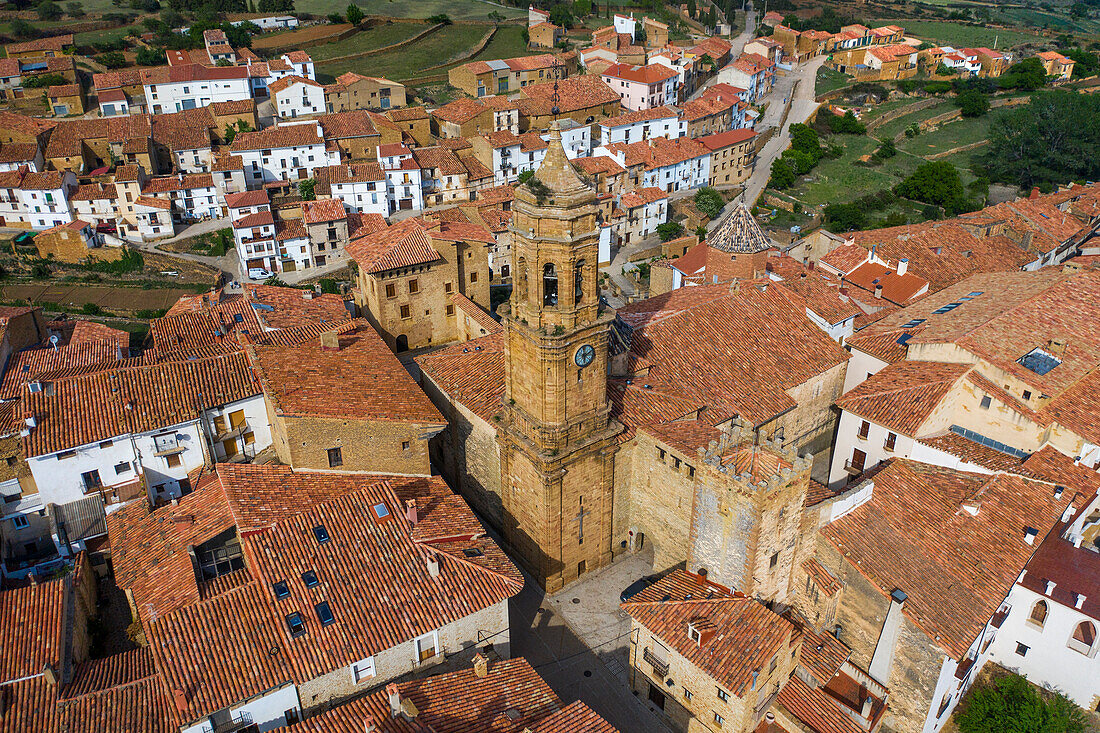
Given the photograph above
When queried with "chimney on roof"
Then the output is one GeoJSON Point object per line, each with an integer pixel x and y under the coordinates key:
{"type": "Point", "coordinates": [394, 696]}
{"type": "Point", "coordinates": [865, 711]}
{"type": "Point", "coordinates": [410, 511]}
{"type": "Point", "coordinates": [903, 265]}
{"type": "Point", "coordinates": [180, 698]}
{"type": "Point", "coordinates": [330, 341]}
{"type": "Point", "coordinates": [972, 507]}
{"type": "Point", "coordinates": [481, 664]}
{"type": "Point", "coordinates": [308, 294]}
{"type": "Point", "coordinates": [1051, 585]}
{"type": "Point", "coordinates": [878, 291]}
{"type": "Point", "coordinates": [1056, 347]}
{"type": "Point", "coordinates": [433, 565]}
{"type": "Point", "coordinates": [1030, 533]}
{"type": "Point", "coordinates": [49, 672]}
{"type": "Point", "coordinates": [1078, 600]}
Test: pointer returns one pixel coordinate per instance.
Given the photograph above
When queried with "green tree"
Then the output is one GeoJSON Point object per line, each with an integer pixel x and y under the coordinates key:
{"type": "Point", "coordinates": [783, 175]}
{"type": "Point", "coordinates": [972, 104]}
{"type": "Point", "coordinates": [306, 189]}
{"type": "Point", "coordinates": [74, 9]}
{"type": "Point", "coordinates": [49, 10]}
{"type": "Point", "coordinates": [1028, 74]}
{"type": "Point", "coordinates": [709, 201]}
{"type": "Point", "coordinates": [354, 15]}
{"type": "Point", "coordinates": [846, 124]}
{"type": "Point", "coordinates": [525, 176]}
{"type": "Point", "coordinates": [1011, 704]}
{"type": "Point", "coordinates": [692, 9]}
{"type": "Point", "coordinates": [582, 8]}
{"type": "Point", "coordinates": [845, 217]}
{"type": "Point", "coordinates": [150, 56]}
{"type": "Point", "coordinates": [936, 183]}
{"type": "Point", "coordinates": [1051, 140]}
{"type": "Point", "coordinates": [22, 29]}
{"type": "Point", "coordinates": [1087, 64]}
{"type": "Point", "coordinates": [669, 230]}
{"type": "Point", "coordinates": [805, 139]}
{"type": "Point", "coordinates": [887, 150]}
{"type": "Point", "coordinates": [562, 14]}
{"type": "Point", "coordinates": [112, 59]}
{"type": "Point", "coordinates": [801, 161]}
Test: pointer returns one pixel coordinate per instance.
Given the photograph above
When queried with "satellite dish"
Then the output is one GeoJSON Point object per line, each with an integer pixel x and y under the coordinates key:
{"type": "Point", "coordinates": [53, 339]}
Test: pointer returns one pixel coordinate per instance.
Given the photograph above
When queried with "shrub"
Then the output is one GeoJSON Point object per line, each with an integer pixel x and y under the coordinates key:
{"type": "Point", "coordinates": [131, 261]}
{"type": "Point", "coordinates": [972, 104]}
{"type": "Point", "coordinates": [91, 309]}
{"type": "Point", "coordinates": [354, 15]}
{"type": "Point", "coordinates": [74, 9]}
{"type": "Point", "coordinates": [40, 271]}
{"type": "Point", "coordinates": [112, 59]}
{"type": "Point", "coordinates": [525, 176]}
{"type": "Point", "coordinates": [306, 189]}
{"type": "Point", "coordinates": [846, 125]}
{"type": "Point", "coordinates": [783, 175]}
{"type": "Point", "coordinates": [1011, 704]}
{"type": "Point", "coordinates": [912, 131]}
{"type": "Point", "coordinates": [670, 230]}
{"type": "Point", "coordinates": [48, 10]}
{"type": "Point", "coordinates": [845, 217]}
{"type": "Point", "coordinates": [40, 81]}
{"type": "Point", "coordinates": [150, 56]}
{"type": "Point", "coordinates": [335, 18]}
{"type": "Point", "coordinates": [709, 201]}
{"type": "Point", "coordinates": [329, 286]}
{"type": "Point", "coordinates": [440, 18]}
{"type": "Point", "coordinates": [887, 150]}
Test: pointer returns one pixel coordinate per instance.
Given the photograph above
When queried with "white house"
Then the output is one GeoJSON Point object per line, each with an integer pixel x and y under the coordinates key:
{"type": "Point", "coordinates": [194, 195]}
{"type": "Point", "coordinates": [153, 218]}
{"type": "Point", "coordinates": [634, 127]}
{"type": "Point", "coordinates": [625, 24]}
{"type": "Point", "coordinates": [642, 87]}
{"type": "Point", "coordinates": [96, 203]}
{"type": "Point", "coordinates": [297, 96]}
{"type": "Point", "coordinates": [301, 63]}
{"type": "Point", "coordinates": [671, 165]}
{"type": "Point", "coordinates": [361, 186]}
{"type": "Point", "coordinates": [193, 86]}
{"type": "Point", "coordinates": [43, 198]}
{"type": "Point", "coordinates": [1052, 615]}
{"type": "Point", "coordinates": [14, 156]}
{"type": "Point", "coordinates": [641, 212]}
{"type": "Point", "coordinates": [404, 184]}
{"type": "Point", "coordinates": [285, 152]}
{"type": "Point", "coordinates": [292, 241]}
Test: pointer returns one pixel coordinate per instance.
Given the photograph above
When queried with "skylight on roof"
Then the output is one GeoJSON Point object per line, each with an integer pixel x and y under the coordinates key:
{"type": "Point", "coordinates": [975, 294]}
{"type": "Point", "coordinates": [324, 613]}
{"type": "Point", "coordinates": [321, 534]}
{"type": "Point", "coordinates": [947, 308]}
{"type": "Point", "coordinates": [1039, 361]}
{"type": "Point", "coordinates": [472, 552]}
{"type": "Point", "coordinates": [913, 323]}
{"type": "Point", "coordinates": [905, 339]}
{"type": "Point", "coordinates": [295, 623]}
{"type": "Point", "coordinates": [309, 577]}
{"type": "Point", "coordinates": [381, 512]}
{"type": "Point", "coordinates": [280, 589]}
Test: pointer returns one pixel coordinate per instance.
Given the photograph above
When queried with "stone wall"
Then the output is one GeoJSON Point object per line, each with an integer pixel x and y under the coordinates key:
{"type": "Point", "coordinates": [375, 446]}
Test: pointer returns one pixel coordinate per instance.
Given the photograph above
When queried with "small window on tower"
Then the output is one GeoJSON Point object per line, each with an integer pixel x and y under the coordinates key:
{"type": "Point", "coordinates": [549, 284]}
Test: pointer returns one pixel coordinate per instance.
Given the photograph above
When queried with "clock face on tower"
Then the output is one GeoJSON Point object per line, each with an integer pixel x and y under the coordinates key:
{"type": "Point", "coordinates": [584, 355]}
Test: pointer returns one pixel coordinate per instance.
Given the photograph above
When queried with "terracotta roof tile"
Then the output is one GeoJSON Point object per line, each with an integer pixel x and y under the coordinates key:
{"type": "Point", "coordinates": [362, 380]}
{"type": "Point", "coordinates": [286, 136]}
{"type": "Point", "coordinates": [401, 245]}
{"type": "Point", "coordinates": [955, 567]}
{"type": "Point", "coordinates": [323, 210]}
{"type": "Point", "coordinates": [748, 635]}
{"type": "Point", "coordinates": [904, 395]}
{"type": "Point", "coordinates": [32, 623]}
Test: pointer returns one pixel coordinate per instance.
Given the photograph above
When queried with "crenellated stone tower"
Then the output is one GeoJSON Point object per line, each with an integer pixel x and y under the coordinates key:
{"type": "Point", "coordinates": [557, 441]}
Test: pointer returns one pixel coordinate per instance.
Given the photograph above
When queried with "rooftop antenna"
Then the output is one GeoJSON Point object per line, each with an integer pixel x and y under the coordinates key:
{"type": "Point", "coordinates": [555, 97]}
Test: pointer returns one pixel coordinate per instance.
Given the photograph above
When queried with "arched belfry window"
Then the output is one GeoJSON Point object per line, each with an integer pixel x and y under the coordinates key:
{"type": "Point", "coordinates": [578, 282]}
{"type": "Point", "coordinates": [549, 284]}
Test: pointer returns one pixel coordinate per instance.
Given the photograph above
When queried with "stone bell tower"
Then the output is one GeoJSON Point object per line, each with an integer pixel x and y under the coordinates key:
{"type": "Point", "coordinates": [557, 440]}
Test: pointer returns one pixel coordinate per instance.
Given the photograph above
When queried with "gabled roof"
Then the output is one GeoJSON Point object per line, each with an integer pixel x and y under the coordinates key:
{"type": "Point", "coordinates": [400, 245]}
{"type": "Point", "coordinates": [747, 635]}
{"type": "Point", "coordinates": [362, 379]}
{"type": "Point", "coordinates": [32, 626]}
{"type": "Point", "coordinates": [955, 566]}
{"type": "Point", "coordinates": [648, 74]}
{"type": "Point", "coordinates": [903, 395]}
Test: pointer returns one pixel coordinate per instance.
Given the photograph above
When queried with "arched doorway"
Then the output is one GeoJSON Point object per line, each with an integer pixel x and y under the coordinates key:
{"type": "Point", "coordinates": [402, 343]}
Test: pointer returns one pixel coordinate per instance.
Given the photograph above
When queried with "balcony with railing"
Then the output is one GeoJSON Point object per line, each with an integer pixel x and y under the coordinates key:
{"type": "Point", "coordinates": [239, 723]}
{"type": "Point", "coordinates": [660, 667]}
{"type": "Point", "coordinates": [853, 469]}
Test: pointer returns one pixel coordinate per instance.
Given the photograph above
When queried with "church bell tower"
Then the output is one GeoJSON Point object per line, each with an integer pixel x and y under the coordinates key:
{"type": "Point", "coordinates": [557, 439]}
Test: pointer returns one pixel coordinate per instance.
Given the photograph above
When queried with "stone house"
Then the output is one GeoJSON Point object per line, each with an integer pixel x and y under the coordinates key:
{"type": "Point", "coordinates": [408, 272]}
{"type": "Point", "coordinates": [353, 91]}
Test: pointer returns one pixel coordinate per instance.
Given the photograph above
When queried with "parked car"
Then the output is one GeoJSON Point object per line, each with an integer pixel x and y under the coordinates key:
{"type": "Point", "coordinates": [258, 273]}
{"type": "Point", "coordinates": [637, 587]}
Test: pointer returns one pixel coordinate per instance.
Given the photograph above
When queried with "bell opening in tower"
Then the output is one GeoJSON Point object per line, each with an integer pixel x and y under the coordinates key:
{"type": "Point", "coordinates": [549, 284]}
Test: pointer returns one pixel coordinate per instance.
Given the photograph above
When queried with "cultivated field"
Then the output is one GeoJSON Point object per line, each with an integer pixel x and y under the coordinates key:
{"type": "Point", "coordinates": [456, 9]}
{"type": "Point", "coordinates": [962, 35]}
{"type": "Point", "coordinates": [377, 37]}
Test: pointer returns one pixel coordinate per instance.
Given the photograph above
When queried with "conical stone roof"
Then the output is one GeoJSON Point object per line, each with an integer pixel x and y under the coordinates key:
{"type": "Point", "coordinates": [739, 234]}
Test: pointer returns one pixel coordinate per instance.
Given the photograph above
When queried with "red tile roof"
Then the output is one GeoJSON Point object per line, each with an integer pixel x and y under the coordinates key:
{"type": "Point", "coordinates": [401, 245]}
{"type": "Point", "coordinates": [649, 74]}
{"type": "Point", "coordinates": [642, 115]}
{"type": "Point", "coordinates": [955, 567]}
{"type": "Point", "coordinates": [470, 373]}
{"type": "Point", "coordinates": [747, 636]}
{"type": "Point", "coordinates": [32, 626]}
{"type": "Point", "coordinates": [323, 210]}
{"type": "Point", "coordinates": [362, 380]}
{"type": "Point", "coordinates": [903, 396]}
{"type": "Point", "coordinates": [121, 401]}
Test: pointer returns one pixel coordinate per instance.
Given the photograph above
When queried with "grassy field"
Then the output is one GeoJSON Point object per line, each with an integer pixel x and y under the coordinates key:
{"type": "Point", "coordinates": [456, 9]}
{"type": "Point", "coordinates": [108, 34]}
{"type": "Point", "coordinates": [830, 79]}
{"type": "Point", "coordinates": [890, 129]}
{"type": "Point", "coordinates": [507, 43]}
{"type": "Point", "coordinates": [961, 35]}
{"type": "Point", "coordinates": [382, 35]}
{"type": "Point", "coordinates": [837, 180]}
{"type": "Point", "coordinates": [951, 135]}
{"type": "Point", "coordinates": [410, 61]}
